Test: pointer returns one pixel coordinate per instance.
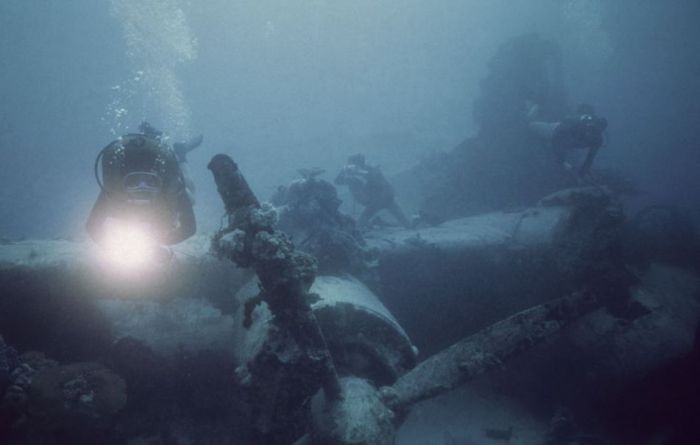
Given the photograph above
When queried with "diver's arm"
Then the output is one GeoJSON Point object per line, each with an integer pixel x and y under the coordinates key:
{"type": "Point", "coordinates": [98, 216]}
{"type": "Point", "coordinates": [351, 173]}
{"type": "Point", "coordinates": [187, 224]}
{"type": "Point", "coordinates": [586, 166]}
{"type": "Point", "coordinates": [544, 130]}
{"type": "Point", "coordinates": [342, 178]}
{"type": "Point", "coordinates": [182, 148]}
{"type": "Point", "coordinates": [192, 143]}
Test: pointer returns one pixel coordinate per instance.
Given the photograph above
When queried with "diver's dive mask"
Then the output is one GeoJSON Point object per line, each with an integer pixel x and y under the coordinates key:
{"type": "Point", "coordinates": [142, 187]}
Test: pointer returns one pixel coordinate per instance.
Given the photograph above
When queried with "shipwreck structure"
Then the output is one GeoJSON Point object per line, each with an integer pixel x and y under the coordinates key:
{"type": "Point", "coordinates": [296, 357]}
{"type": "Point", "coordinates": [288, 326]}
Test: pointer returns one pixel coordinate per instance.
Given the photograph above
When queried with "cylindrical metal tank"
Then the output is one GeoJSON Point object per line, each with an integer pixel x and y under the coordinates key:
{"type": "Point", "coordinates": [365, 340]}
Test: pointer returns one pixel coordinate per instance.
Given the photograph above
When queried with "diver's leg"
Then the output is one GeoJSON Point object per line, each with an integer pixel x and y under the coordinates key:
{"type": "Point", "coordinates": [395, 210]}
{"type": "Point", "coordinates": [365, 216]}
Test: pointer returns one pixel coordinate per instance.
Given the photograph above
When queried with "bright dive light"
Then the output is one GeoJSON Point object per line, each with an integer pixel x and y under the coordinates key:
{"type": "Point", "coordinates": [128, 245]}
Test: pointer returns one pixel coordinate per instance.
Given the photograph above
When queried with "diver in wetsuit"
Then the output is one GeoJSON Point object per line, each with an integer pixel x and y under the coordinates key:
{"type": "Point", "coordinates": [369, 188]}
{"type": "Point", "coordinates": [584, 130]}
{"type": "Point", "coordinates": [144, 180]}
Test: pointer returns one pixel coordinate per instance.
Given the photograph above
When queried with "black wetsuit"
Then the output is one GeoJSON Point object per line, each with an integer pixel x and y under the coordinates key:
{"type": "Point", "coordinates": [579, 132]}
{"type": "Point", "coordinates": [370, 189]}
{"type": "Point", "coordinates": [169, 213]}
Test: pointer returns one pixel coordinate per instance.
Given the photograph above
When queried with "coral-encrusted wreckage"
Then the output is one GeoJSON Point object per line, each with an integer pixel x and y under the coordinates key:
{"type": "Point", "coordinates": [289, 326]}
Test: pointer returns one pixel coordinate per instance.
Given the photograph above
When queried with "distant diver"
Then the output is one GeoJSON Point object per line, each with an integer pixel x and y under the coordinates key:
{"type": "Point", "coordinates": [370, 189]}
{"type": "Point", "coordinates": [309, 213]}
{"type": "Point", "coordinates": [584, 130]}
{"type": "Point", "coordinates": [144, 181]}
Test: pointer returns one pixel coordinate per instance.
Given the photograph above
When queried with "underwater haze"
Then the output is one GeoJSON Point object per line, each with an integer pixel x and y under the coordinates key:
{"type": "Point", "coordinates": [350, 222]}
{"type": "Point", "coordinates": [285, 85]}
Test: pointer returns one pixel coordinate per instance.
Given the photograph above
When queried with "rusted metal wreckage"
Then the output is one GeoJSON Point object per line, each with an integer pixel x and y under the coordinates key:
{"type": "Point", "coordinates": [350, 407]}
{"type": "Point", "coordinates": [322, 358]}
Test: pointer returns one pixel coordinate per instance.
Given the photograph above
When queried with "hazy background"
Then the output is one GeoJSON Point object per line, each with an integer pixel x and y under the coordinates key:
{"type": "Point", "coordinates": [285, 84]}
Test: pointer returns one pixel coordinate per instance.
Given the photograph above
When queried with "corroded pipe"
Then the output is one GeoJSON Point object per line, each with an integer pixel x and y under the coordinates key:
{"type": "Point", "coordinates": [285, 274]}
{"type": "Point", "coordinates": [231, 184]}
{"type": "Point", "coordinates": [487, 349]}
{"type": "Point", "coordinates": [369, 416]}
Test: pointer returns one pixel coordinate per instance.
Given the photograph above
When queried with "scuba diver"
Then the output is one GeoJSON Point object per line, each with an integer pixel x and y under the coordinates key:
{"type": "Point", "coordinates": [369, 188]}
{"type": "Point", "coordinates": [145, 183]}
{"type": "Point", "coordinates": [309, 213]}
{"type": "Point", "coordinates": [584, 130]}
